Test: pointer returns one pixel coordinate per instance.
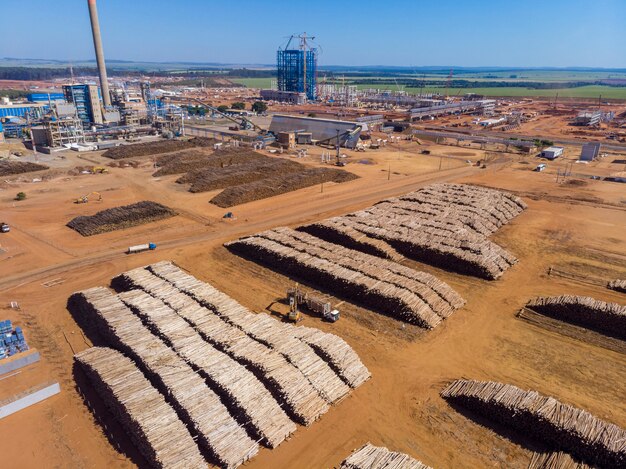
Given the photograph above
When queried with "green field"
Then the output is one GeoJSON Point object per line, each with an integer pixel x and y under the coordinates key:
{"type": "Point", "coordinates": [263, 83]}
{"type": "Point", "coordinates": [590, 91]}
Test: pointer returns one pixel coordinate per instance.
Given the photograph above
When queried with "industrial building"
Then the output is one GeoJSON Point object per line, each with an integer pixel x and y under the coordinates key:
{"type": "Point", "coordinates": [297, 67]}
{"type": "Point", "coordinates": [291, 97]}
{"type": "Point", "coordinates": [484, 106]}
{"type": "Point", "coordinates": [590, 151]}
{"type": "Point", "coordinates": [45, 97]}
{"type": "Point", "coordinates": [321, 130]}
{"type": "Point", "coordinates": [588, 118]}
{"type": "Point", "coordinates": [86, 98]}
{"type": "Point", "coordinates": [552, 153]}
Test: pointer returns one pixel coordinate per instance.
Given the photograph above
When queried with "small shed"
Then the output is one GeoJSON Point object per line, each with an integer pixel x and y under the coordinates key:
{"type": "Point", "coordinates": [552, 153]}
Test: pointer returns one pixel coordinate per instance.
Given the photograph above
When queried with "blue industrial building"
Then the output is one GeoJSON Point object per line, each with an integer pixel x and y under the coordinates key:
{"type": "Point", "coordinates": [86, 98]}
{"type": "Point", "coordinates": [45, 97]}
{"type": "Point", "coordinates": [297, 68]}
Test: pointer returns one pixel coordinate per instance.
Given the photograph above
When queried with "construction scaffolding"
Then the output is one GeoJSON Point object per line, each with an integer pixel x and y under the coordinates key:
{"type": "Point", "coordinates": [297, 68]}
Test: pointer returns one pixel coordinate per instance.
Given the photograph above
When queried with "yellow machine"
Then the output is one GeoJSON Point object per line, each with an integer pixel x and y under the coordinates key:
{"type": "Point", "coordinates": [294, 313]}
{"type": "Point", "coordinates": [85, 198]}
{"type": "Point", "coordinates": [99, 170]}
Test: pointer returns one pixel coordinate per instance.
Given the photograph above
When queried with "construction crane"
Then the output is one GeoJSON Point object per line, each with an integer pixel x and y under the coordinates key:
{"type": "Point", "coordinates": [85, 198]}
{"type": "Point", "coordinates": [448, 82]}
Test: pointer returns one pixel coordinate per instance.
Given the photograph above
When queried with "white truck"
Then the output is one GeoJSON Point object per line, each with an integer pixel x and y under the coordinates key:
{"type": "Point", "coordinates": [4, 228]}
{"type": "Point", "coordinates": [141, 248]}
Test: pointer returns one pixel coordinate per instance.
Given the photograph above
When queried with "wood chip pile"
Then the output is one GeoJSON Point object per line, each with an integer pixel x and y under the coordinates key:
{"type": "Point", "coordinates": [9, 168]}
{"type": "Point", "coordinates": [231, 376]}
{"type": "Point", "coordinates": [445, 225]}
{"type": "Point", "coordinates": [617, 285]}
{"type": "Point", "coordinates": [118, 218]}
{"type": "Point", "coordinates": [196, 404]}
{"type": "Point", "coordinates": [151, 422]}
{"type": "Point", "coordinates": [378, 457]}
{"type": "Point", "coordinates": [279, 184]}
{"type": "Point", "coordinates": [606, 318]}
{"type": "Point", "coordinates": [555, 460]}
{"type": "Point", "coordinates": [380, 284]}
{"type": "Point", "coordinates": [154, 148]}
{"type": "Point", "coordinates": [563, 426]}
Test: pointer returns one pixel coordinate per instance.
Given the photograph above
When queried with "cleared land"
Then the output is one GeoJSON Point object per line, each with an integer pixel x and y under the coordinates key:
{"type": "Point", "coordinates": [119, 218]}
{"type": "Point", "coordinates": [577, 229]}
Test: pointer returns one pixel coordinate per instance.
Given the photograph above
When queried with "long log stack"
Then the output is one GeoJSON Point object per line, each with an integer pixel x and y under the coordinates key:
{"type": "Point", "coordinates": [617, 285]}
{"type": "Point", "coordinates": [606, 318]}
{"type": "Point", "coordinates": [235, 383]}
{"type": "Point", "coordinates": [196, 404]}
{"type": "Point", "coordinates": [445, 225]}
{"type": "Point", "coordinates": [286, 382]}
{"type": "Point", "coordinates": [383, 285]}
{"type": "Point", "coordinates": [555, 460]}
{"type": "Point", "coordinates": [563, 426]}
{"type": "Point", "coordinates": [151, 422]}
{"type": "Point", "coordinates": [340, 356]}
{"type": "Point", "coordinates": [379, 457]}
{"type": "Point", "coordinates": [230, 375]}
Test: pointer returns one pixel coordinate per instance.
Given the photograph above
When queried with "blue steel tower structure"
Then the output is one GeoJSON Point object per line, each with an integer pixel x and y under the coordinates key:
{"type": "Point", "coordinates": [297, 67]}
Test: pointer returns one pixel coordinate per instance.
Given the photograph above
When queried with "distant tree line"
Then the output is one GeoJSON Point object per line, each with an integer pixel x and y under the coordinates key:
{"type": "Point", "coordinates": [537, 85]}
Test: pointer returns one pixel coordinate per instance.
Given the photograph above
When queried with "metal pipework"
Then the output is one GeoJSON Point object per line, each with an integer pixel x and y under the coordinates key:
{"type": "Point", "coordinates": [97, 43]}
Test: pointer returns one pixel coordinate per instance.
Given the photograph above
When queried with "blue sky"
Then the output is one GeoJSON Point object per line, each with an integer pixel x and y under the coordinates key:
{"type": "Point", "coordinates": [529, 33]}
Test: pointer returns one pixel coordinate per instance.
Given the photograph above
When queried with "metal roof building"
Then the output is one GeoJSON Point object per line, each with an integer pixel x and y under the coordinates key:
{"type": "Point", "coordinates": [321, 129]}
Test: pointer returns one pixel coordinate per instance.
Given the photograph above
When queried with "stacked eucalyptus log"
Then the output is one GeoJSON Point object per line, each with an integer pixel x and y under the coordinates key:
{"type": "Point", "coordinates": [563, 426]}
{"type": "Point", "coordinates": [331, 347]}
{"type": "Point", "coordinates": [196, 404]}
{"type": "Point", "coordinates": [380, 284]}
{"type": "Point", "coordinates": [151, 422]}
{"type": "Point", "coordinates": [248, 399]}
{"type": "Point", "coordinates": [555, 460]}
{"type": "Point", "coordinates": [607, 318]}
{"type": "Point", "coordinates": [379, 457]}
{"type": "Point", "coordinates": [445, 225]}
{"type": "Point", "coordinates": [231, 376]}
{"type": "Point", "coordinates": [118, 218]}
{"type": "Point", "coordinates": [617, 285]}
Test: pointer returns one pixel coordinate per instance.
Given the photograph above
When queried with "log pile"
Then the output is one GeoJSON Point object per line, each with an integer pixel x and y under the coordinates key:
{"type": "Point", "coordinates": [383, 285]}
{"type": "Point", "coordinates": [150, 422]}
{"type": "Point", "coordinates": [245, 393]}
{"type": "Point", "coordinates": [555, 460]}
{"type": "Point", "coordinates": [617, 285]}
{"type": "Point", "coordinates": [196, 404]}
{"type": "Point", "coordinates": [606, 318]}
{"type": "Point", "coordinates": [279, 184]}
{"type": "Point", "coordinates": [254, 169]}
{"type": "Point", "coordinates": [153, 148]}
{"type": "Point", "coordinates": [378, 457]}
{"type": "Point", "coordinates": [118, 218]}
{"type": "Point", "coordinates": [9, 168]}
{"type": "Point", "coordinates": [561, 425]}
{"type": "Point", "coordinates": [287, 383]}
{"type": "Point", "coordinates": [339, 355]}
{"type": "Point", "coordinates": [445, 225]}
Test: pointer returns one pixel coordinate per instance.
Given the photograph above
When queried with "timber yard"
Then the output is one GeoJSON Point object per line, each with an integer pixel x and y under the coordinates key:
{"type": "Point", "coordinates": [309, 274]}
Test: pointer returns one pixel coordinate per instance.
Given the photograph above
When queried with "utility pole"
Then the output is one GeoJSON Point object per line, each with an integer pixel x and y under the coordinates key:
{"type": "Point", "coordinates": [389, 172]}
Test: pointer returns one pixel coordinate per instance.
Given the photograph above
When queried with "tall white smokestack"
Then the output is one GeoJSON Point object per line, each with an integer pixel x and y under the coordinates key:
{"type": "Point", "coordinates": [97, 44]}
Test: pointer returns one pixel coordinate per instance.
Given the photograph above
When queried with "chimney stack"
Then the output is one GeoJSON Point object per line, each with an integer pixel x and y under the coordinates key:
{"type": "Point", "coordinates": [97, 43]}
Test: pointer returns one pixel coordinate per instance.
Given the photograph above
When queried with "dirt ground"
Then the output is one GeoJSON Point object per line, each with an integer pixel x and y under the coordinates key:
{"type": "Point", "coordinates": [578, 228]}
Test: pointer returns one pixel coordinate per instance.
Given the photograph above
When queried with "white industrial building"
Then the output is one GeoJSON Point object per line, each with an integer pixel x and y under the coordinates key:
{"type": "Point", "coordinates": [552, 153]}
